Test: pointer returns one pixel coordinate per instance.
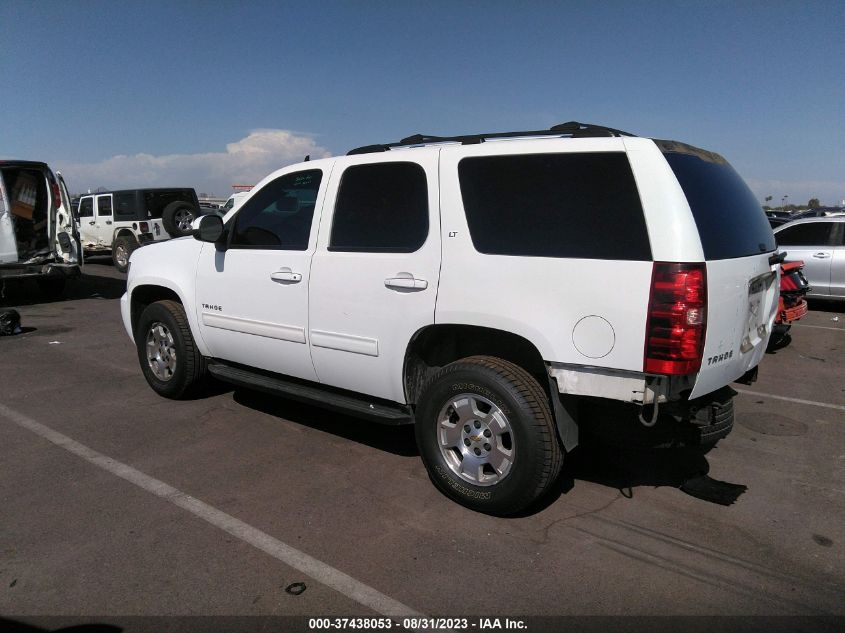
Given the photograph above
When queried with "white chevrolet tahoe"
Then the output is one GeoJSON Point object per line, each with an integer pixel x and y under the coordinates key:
{"type": "Point", "coordinates": [489, 289]}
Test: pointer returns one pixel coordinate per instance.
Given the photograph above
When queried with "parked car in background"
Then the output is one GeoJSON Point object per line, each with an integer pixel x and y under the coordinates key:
{"type": "Point", "coordinates": [39, 238]}
{"type": "Point", "coordinates": [820, 244]}
{"type": "Point", "coordinates": [792, 304]}
{"type": "Point", "coordinates": [118, 222]}
{"type": "Point", "coordinates": [234, 201]}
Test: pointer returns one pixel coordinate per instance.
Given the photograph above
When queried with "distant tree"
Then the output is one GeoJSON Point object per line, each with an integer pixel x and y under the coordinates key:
{"type": "Point", "coordinates": [768, 198]}
{"type": "Point", "coordinates": [814, 203]}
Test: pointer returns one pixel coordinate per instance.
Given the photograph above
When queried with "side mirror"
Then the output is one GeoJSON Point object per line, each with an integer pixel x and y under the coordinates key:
{"type": "Point", "coordinates": [208, 228]}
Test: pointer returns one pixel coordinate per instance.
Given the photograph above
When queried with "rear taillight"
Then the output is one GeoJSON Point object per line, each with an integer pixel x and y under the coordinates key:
{"type": "Point", "coordinates": [57, 194]}
{"type": "Point", "coordinates": [677, 319]}
{"type": "Point", "coordinates": [145, 228]}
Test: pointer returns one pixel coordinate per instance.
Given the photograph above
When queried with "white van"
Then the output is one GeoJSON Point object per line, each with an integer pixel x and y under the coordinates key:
{"type": "Point", "coordinates": [39, 237]}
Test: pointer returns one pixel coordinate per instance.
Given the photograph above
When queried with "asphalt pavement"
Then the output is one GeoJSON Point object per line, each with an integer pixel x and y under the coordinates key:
{"type": "Point", "coordinates": [115, 502]}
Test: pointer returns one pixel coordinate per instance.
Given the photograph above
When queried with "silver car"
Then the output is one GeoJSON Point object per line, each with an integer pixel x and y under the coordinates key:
{"type": "Point", "coordinates": [820, 244]}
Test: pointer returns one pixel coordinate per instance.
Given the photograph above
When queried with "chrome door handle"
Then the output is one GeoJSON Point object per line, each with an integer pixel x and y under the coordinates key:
{"type": "Point", "coordinates": [821, 255]}
{"type": "Point", "coordinates": [405, 281]}
{"type": "Point", "coordinates": [286, 275]}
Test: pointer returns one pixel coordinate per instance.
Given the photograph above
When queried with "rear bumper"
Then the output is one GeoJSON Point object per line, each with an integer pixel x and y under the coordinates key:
{"type": "Point", "coordinates": [787, 315]}
{"type": "Point", "coordinates": [19, 271]}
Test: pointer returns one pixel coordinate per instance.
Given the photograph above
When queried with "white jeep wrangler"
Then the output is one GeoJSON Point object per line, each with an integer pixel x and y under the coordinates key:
{"type": "Point", "coordinates": [118, 222]}
{"type": "Point", "coordinates": [489, 289]}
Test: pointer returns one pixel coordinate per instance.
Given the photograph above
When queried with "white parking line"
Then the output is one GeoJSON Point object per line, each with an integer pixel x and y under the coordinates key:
{"type": "Point", "coordinates": [318, 570]}
{"type": "Point", "coordinates": [820, 327]}
{"type": "Point", "coordinates": [826, 405]}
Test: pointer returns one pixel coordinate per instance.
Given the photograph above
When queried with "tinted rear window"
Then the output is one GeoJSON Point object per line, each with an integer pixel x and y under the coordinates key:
{"type": "Point", "coordinates": [730, 220]}
{"type": "Point", "coordinates": [582, 205]}
{"type": "Point", "coordinates": [124, 206]}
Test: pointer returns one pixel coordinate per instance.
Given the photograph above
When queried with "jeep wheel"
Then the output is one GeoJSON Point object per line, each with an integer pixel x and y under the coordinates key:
{"type": "Point", "coordinates": [177, 218]}
{"type": "Point", "coordinates": [170, 360]}
{"type": "Point", "coordinates": [487, 436]}
{"type": "Point", "coordinates": [121, 250]}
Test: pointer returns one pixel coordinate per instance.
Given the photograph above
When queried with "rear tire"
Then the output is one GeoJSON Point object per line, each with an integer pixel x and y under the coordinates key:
{"type": "Point", "coordinates": [167, 352]}
{"type": "Point", "coordinates": [177, 218]}
{"type": "Point", "coordinates": [121, 250]}
{"type": "Point", "coordinates": [509, 456]}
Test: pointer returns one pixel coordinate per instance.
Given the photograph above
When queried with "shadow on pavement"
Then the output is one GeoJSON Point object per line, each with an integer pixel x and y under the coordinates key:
{"type": "Point", "coordinates": [16, 626]}
{"type": "Point", "coordinates": [823, 305]}
{"type": "Point", "coordinates": [620, 468]}
{"type": "Point", "coordinates": [25, 292]}
{"type": "Point", "coordinates": [398, 440]}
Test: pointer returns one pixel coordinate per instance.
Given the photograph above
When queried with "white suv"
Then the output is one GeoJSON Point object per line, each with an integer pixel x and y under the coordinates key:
{"type": "Point", "coordinates": [486, 288]}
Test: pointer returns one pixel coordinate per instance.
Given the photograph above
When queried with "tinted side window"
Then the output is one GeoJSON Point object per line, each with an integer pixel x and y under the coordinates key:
{"type": "Point", "coordinates": [809, 234]}
{"type": "Point", "coordinates": [730, 220]}
{"type": "Point", "coordinates": [554, 205]}
{"type": "Point", "coordinates": [279, 216]}
{"type": "Point", "coordinates": [86, 208]}
{"type": "Point", "coordinates": [381, 208]}
{"type": "Point", "coordinates": [104, 205]}
{"type": "Point", "coordinates": [124, 205]}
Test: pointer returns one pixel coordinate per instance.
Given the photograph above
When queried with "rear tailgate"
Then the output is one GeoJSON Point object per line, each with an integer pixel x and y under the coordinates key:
{"type": "Point", "coordinates": [737, 243]}
{"type": "Point", "coordinates": [742, 302]}
{"type": "Point", "coordinates": [8, 244]}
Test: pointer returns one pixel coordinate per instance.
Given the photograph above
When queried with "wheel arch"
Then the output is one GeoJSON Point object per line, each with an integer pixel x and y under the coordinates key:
{"type": "Point", "coordinates": [144, 295]}
{"type": "Point", "coordinates": [123, 232]}
{"type": "Point", "coordinates": [435, 346]}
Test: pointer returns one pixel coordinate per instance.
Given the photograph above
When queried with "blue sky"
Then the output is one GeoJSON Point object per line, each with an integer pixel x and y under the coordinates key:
{"type": "Point", "coordinates": [207, 94]}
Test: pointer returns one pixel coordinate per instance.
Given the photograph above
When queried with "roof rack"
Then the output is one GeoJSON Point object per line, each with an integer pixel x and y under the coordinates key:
{"type": "Point", "coordinates": [572, 129]}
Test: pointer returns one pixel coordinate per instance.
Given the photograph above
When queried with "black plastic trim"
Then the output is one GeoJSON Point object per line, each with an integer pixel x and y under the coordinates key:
{"type": "Point", "coordinates": [318, 395]}
{"type": "Point", "coordinates": [572, 129]}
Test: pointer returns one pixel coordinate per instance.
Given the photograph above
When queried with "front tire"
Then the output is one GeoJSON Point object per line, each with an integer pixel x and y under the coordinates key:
{"type": "Point", "coordinates": [487, 436]}
{"type": "Point", "coordinates": [167, 352]}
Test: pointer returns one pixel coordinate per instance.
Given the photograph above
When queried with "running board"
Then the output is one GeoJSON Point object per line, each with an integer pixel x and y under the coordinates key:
{"type": "Point", "coordinates": [318, 396]}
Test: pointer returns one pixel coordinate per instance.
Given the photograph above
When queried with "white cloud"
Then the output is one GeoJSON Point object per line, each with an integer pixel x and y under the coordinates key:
{"type": "Point", "coordinates": [243, 162]}
{"type": "Point", "coordinates": [829, 192]}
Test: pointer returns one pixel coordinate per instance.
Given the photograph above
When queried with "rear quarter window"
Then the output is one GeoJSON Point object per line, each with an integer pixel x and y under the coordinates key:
{"type": "Point", "coordinates": [575, 205]}
{"type": "Point", "coordinates": [731, 222]}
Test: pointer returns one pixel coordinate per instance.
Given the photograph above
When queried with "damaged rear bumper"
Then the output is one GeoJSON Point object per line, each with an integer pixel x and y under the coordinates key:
{"type": "Point", "coordinates": [48, 269]}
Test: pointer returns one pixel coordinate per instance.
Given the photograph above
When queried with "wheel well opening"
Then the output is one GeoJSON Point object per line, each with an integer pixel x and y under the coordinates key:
{"type": "Point", "coordinates": [438, 345]}
{"type": "Point", "coordinates": [142, 296]}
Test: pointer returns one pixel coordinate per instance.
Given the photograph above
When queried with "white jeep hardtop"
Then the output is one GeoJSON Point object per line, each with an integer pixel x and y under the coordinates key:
{"type": "Point", "coordinates": [491, 289]}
